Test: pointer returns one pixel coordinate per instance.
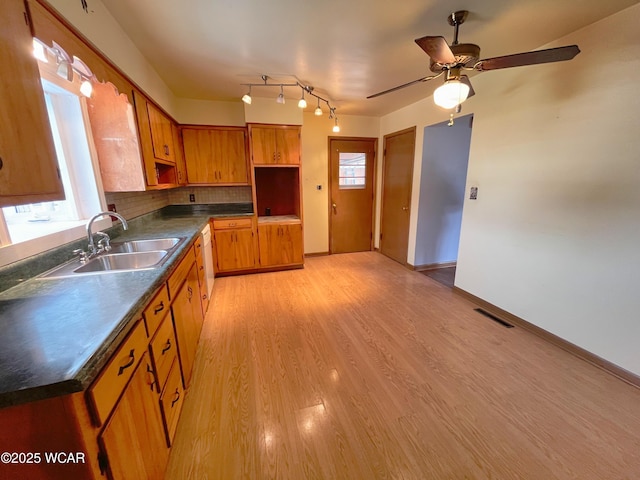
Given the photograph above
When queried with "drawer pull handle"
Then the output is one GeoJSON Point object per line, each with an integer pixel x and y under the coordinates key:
{"type": "Point", "coordinates": [167, 346]}
{"type": "Point", "coordinates": [189, 293]}
{"type": "Point", "coordinates": [159, 308]}
{"type": "Point", "coordinates": [129, 363]}
{"type": "Point", "coordinates": [177, 394]}
{"type": "Point", "coordinates": [153, 377]}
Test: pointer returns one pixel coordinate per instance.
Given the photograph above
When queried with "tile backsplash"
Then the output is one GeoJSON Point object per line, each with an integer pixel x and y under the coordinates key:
{"type": "Point", "coordinates": [180, 196]}
{"type": "Point", "coordinates": [134, 204]}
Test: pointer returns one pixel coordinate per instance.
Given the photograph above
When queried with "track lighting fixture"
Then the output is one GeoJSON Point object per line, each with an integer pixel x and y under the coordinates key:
{"type": "Point", "coordinates": [40, 50]}
{"type": "Point", "coordinates": [302, 103]}
{"type": "Point", "coordinates": [86, 88]}
{"type": "Point", "coordinates": [246, 98]}
{"type": "Point", "coordinates": [67, 67]}
{"type": "Point", "coordinates": [64, 70]}
{"type": "Point", "coordinates": [318, 110]}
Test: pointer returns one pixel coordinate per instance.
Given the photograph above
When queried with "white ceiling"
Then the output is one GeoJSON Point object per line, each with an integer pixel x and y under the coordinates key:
{"type": "Point", "coordinates": [347, 50]}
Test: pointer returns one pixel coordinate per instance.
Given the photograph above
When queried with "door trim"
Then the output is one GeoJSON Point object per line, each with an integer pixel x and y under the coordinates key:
{"type": "Point", "coordinates": [373, 180]}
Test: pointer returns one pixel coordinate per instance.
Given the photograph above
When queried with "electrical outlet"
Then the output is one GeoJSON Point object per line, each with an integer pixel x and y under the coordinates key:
{"type": "Point", "coordinates": [473, 194]}
{"type": "Point", "coordinates": [192, 198]}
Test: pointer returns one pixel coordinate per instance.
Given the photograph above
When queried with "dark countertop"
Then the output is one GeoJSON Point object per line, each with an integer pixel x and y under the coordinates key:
{"type": "Point", "coordinates": [58, 333]}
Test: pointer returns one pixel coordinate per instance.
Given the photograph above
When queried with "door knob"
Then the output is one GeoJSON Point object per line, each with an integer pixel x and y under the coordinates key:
{"type": "Point", "coordinates": [334, 206]}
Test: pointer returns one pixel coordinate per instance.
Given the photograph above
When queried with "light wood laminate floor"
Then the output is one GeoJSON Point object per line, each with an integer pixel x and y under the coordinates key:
{"type": "Point", "coordinates": [357, 368]}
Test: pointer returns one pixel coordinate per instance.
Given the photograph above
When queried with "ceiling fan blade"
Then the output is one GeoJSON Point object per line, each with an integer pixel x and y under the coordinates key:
{"type": "Point", "coordinates": [438, 49]}
{"type": "Point", "coordinates": [464, 79]}
{"type": "Point", "coordinates": [559, 54]}
{"type": "Point", "coordinates": [423, 79]}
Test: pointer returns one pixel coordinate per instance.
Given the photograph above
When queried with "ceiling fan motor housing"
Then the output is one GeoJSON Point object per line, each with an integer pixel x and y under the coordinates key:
{"type": "Point", "coordinates": [467, 54]}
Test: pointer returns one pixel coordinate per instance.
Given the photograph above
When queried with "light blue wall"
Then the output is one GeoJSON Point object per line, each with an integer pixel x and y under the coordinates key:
{"type": "Point", "coordinates": [445, 157]}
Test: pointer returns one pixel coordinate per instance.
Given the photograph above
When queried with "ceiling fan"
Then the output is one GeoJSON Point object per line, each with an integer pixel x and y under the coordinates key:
{"type": "Point", "coordinates": [451, 60]}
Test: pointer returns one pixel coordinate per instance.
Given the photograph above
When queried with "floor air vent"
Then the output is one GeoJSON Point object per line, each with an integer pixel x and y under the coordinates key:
{"type": "Point", "coordinates": [493, 317]}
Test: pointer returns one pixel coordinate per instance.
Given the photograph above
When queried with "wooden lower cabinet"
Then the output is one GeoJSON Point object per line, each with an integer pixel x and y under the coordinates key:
{"type": "Point", "coordinates": [134, 437]}
{"type": "Point", "coordinates": [234, 244]}
{"type": "Point", "coordinates": [280, 244]}
{"type": "Point", "coordinates": [123, 424]}
{"type": "Point", "coordinates": [187, 321]}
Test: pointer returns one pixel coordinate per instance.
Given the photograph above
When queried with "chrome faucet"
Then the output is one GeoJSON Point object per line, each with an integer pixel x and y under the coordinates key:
{"type": "Point", "coordinates": [103, 244]}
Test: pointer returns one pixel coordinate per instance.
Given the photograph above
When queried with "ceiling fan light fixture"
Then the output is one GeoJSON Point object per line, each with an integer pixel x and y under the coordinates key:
{"type": "Point", "coordinates": [450, 94]}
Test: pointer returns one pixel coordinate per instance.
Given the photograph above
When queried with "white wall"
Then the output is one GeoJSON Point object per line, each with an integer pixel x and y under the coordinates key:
{"type": "Point", "coordinates": [315, 171]}
{"type": "Point", "coordinates": [202, 112]}
{"type": "Point", "coordinates": [554, 235]}
{"type": "Point", "coordinates": [445, 157]}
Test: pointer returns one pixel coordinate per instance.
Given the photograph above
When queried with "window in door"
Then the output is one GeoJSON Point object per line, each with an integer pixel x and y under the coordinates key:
{"type": "Point", "coordinates": [352, 170]}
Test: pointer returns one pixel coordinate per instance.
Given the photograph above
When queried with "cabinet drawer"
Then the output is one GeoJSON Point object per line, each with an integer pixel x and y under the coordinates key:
{"type": "Point", "coordinates": [171, 401]}
{"type": "Point", "coordinates": [180, 273]}
{"type": "Point", "coordinates": [106, 390]}
{"type": "Point", "coordinates": [221, 224]}
{"type": "Point", "coordinates": [163, 350]}
{"type": "Point", "coordinates": [156, 311]}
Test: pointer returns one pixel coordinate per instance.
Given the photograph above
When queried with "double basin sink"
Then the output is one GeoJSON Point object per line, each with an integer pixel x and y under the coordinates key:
{"type": "Point", "coordinates": [123, 257]}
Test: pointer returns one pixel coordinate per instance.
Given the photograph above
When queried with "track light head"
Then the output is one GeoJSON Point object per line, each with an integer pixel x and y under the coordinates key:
{"type": "Point", "coordinates": [246, 98]}
{"type": "Point", "coordinates": [302, 103]}
{"type": "Point", "coordinates": [280, 98]}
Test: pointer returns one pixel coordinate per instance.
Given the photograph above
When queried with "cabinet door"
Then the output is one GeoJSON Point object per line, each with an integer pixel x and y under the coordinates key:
{"type": "Point", "coordinates": [187, 321]}
{"type": "Point", "coordinates": [181, 166]}
{"type": "Point", "coordinates": [263, 145]}
{"type": "Point", "coordinates": [231, 160]}
{"type": "Point", "coordinates": [133, 439]}
{"type": "Point", "coordinates": [234, 249]}
{"type": "Point", "coordinates": [28, 162]}
{"type": "Point", "coordinates": [288, 146]}
{"type": "Point", "coordinates": [161, 134]}
{"type": "Point", "coordinates": [215, 156]}
{"type": "Point", "coordinates": [160, 172]}
{"type": "Point", "coordinates": [280, 244]}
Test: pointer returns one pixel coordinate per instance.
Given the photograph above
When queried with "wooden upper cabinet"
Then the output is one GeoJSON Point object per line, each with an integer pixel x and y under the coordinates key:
{"type": "Point", "coordinates": [156, 135]}
{"type": "Point", "coordinates": [215, 155]}
{"type": "Point", "coordinates": [275, 144]}
{"type": "Point", "coordinates": [161, 134]}
{"type": "Point", "coordinates": [28, 163]}
{"type": "Point", "coordinates": [181, 166]}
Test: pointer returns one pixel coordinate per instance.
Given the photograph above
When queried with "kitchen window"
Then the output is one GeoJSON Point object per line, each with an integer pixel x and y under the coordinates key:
{"type": "Point", "coordinates": [29, 229]}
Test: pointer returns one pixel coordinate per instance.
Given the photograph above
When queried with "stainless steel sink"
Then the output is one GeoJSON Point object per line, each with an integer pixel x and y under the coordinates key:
{"type": "Point", "coordinates": [125, 256]}
{"type": "Point", "coordinates": [145, 245]}
{"type": "Point", "coordinates": [123, 261]}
